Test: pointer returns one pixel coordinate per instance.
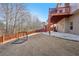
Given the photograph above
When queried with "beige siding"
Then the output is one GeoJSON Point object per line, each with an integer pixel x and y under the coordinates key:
{"type": "Point", "coordinates": [74, 7]}
{"type": "Point", "coordinates": [64, 24]}
{"type": "Point", "coordinates": [61, 26]}
{"type": "Point", "coordinates": [75, 20]}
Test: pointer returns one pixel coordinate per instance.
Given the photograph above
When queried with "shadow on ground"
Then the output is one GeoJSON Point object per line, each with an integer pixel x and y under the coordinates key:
{"type": "Point", "coordinates": [20, 40]}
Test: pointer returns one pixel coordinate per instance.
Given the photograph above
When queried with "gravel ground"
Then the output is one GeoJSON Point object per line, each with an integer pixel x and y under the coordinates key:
{"type": "Point", "coordinates": [41, 45]}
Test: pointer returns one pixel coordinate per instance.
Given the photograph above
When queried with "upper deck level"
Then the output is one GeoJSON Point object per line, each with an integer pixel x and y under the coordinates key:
{"type": "Point", "coordinates": [60, 11]}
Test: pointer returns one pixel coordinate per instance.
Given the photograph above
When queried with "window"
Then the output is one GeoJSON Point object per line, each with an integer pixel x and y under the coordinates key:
{"type": "Point", "coordinates": [71, 25]}
{"type": "Point", "coordinates": [60, 11]}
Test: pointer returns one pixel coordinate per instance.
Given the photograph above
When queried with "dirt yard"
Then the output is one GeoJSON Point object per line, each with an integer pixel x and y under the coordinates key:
{"type": "Point", "coordinates": [41, 45]}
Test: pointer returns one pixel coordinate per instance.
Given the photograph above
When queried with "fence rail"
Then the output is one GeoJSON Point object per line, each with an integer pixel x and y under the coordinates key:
{"type": "Point", "coordinates": [20, 34]}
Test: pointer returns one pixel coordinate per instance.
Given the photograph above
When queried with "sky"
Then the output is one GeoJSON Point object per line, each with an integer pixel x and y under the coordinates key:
{"type": "Point", "coordinates": [40, 10]}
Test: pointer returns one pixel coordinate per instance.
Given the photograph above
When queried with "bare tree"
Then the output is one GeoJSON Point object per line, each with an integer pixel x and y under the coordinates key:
{"type": "Point", "coordinates": [11, 13]}
{"type": "Point", "coordinates": [17, 18]}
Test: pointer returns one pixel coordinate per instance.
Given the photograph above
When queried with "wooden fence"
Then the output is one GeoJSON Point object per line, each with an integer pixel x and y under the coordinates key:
{"type": "Point", "coordinates": [20, 34]}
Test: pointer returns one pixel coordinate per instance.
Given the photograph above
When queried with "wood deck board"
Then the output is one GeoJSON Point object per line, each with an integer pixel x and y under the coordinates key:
{"type": "Point", "coordinates": [42, 45]}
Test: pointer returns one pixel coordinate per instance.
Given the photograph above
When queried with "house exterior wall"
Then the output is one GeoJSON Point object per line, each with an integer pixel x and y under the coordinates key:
{"type": "Point", "coordinates": [74, 7]}
{"type": "Point", "coordinates": [61, 26]}
{"type": "Point", "coordinates": [64, 24]}
{"type": "Point", "coordinates": [75, 20]}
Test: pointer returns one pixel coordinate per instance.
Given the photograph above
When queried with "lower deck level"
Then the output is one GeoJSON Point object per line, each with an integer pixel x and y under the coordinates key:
{"type": "Point", "coordinates": [41, 45]}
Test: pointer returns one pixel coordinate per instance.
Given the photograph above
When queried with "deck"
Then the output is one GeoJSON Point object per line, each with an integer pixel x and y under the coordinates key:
{"type": "Point", "coordinates": [41, 45]}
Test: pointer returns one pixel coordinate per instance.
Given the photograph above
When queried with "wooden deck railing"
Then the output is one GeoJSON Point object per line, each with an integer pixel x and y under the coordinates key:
{"type": "Point", "coordinates": [20, 34]}
{"type": "Point", "coordinates": [59, 10]}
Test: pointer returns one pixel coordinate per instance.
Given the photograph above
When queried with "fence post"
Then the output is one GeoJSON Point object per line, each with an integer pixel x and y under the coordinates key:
{"type": "Point", "coordinates": [1, 39]}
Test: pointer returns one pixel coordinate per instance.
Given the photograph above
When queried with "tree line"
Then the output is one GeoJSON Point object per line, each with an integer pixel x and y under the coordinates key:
{"type": "Point", "coordinates": [16, 17]}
